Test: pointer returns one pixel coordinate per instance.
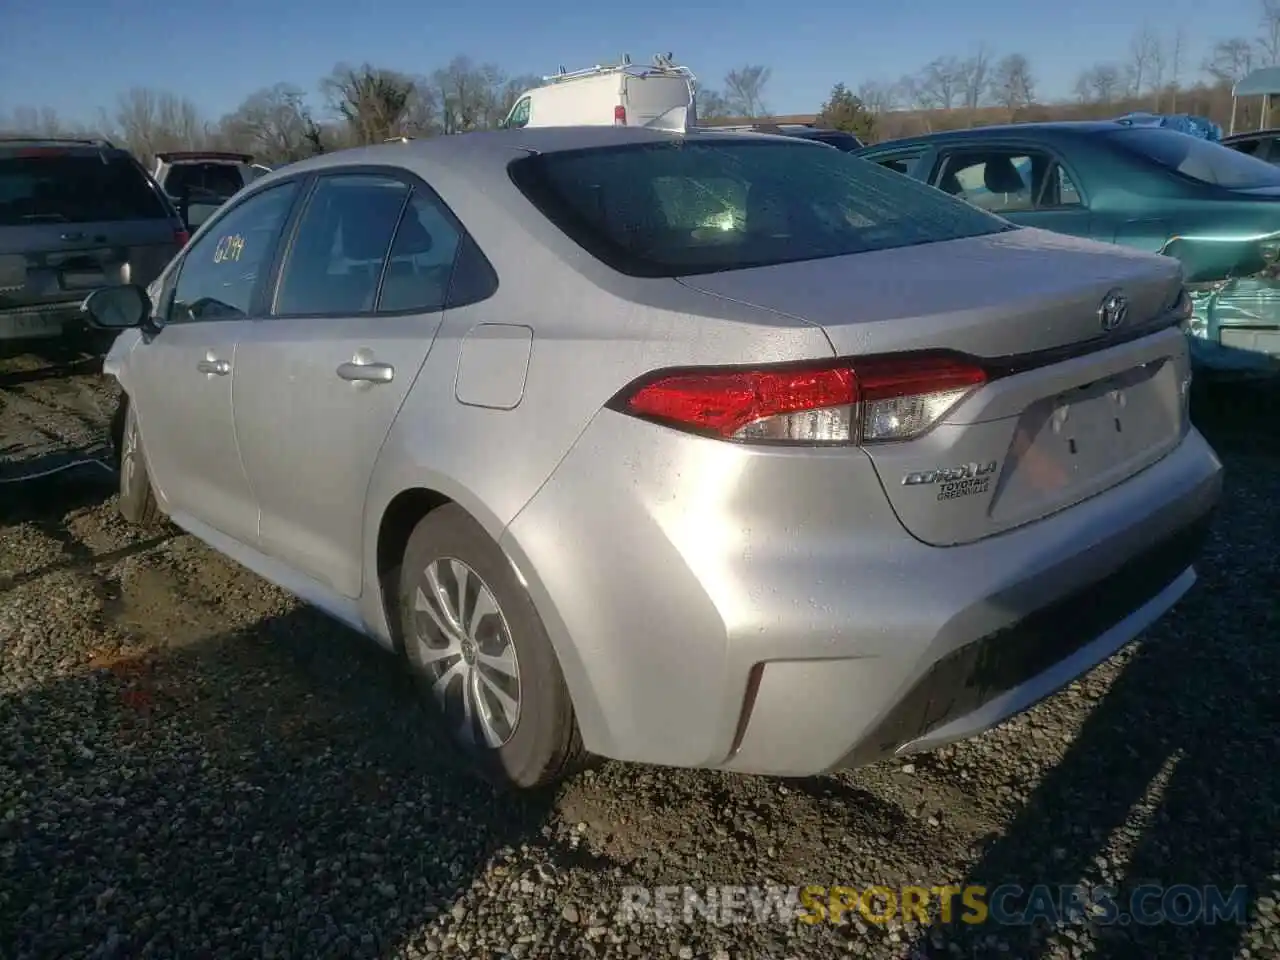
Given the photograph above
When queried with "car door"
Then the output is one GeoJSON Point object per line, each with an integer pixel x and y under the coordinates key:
{"type": "Point", "coordinates": [1028, 186]}
{"type": "Point", "coordinates": [179, 381]}
{"type": "Point", "coordinates": [358, 302]}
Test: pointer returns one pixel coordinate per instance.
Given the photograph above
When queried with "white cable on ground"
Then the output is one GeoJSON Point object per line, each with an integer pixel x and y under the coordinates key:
{"type": "Point", "coordinates": [59, 469]}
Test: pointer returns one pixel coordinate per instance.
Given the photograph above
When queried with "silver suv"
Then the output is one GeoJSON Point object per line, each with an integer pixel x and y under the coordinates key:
{"type": "Point", "coordinates": [74, 215]}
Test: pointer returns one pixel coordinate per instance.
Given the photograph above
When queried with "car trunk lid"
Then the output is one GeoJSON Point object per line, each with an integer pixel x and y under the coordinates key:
{"type": "Point", "coordinates": [1070, 410]}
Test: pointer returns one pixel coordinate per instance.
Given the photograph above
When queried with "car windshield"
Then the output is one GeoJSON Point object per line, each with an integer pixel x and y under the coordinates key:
{"type": "Point", "coordinates": [681, 208]}
{"type": "Point", "coordinates": [1202, 160]}
{"type": "Point", "coordinates": [62, 187]}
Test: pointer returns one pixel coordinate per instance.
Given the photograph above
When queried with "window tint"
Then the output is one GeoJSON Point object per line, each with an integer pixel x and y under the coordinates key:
{"type": "Point", "coordinates": [221, 270]}
{"type": "Point", "coordinates": [1198, 159]}
{"type": "Point", "coordinates": [680, 208]}
{"type": "Point", "coordinates": [340, 246]}
{"type": "Point", "coordinates": [60, 187]}
{"type": "Point", "coordinates": [422, 256]}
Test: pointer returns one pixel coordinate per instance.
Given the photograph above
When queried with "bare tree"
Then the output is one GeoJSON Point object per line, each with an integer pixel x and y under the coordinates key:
{"type": "Point", "coordinates": [1101, 84]}
{"type": "Point", "coordinates": [151, 121]}
{"type": "Point", "coordinates": [972, 74]}
{"type": "Point", "coordinates": [878, 97]}
{"type": "Point", "coordinates": [274, 124]}
{"type": "Point", "coordinates": [1012, 85]}
{"type": "Point", "coordinates": [1159, 64]}
{"type": "Point", "coordinates": [711, 103]}
{"type": "Point", "coordinates": [941, 84]}
{"type": "Point", "coordinates": [1269, 42]}
{"type": "Point", "coordinates": [1177, 54]}
{"type": "Point", "coordinates": [467, 95]}
{"type": "Point", "coordinates": [745, 87]}
{"type": "Point", "coordinates": [372, 102]}
{"type": "Point", "coordinates": [1143, 50]}
{"type": "Point", "coordinates": [1230, 60]}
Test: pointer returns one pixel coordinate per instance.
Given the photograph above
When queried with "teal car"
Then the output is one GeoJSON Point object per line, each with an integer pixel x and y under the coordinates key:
{"type": "Point", "coordinates": [1215, 209]}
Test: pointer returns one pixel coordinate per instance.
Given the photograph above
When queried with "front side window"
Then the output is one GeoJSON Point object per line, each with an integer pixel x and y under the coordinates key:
{"type": "Point", "coordinates": [60, 186]}
{"type": "Point", "coordinates": [1202, 160]}
{"type": "Point", "coordinates": [519, 114]}
{"type": "Point", "coordinates": [221, 270]}
{"type": "Point", "coordinates": [341, 243]}
{"type": "Point", "coordinates": [677, 208]}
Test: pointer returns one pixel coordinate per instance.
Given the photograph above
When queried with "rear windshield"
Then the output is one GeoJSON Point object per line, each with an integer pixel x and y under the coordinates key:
{"type": "Point", "coordinates": [680, 208]}
{"type": "Point", "coordinates": [1202, 160]}
{"type": "Point", "coordinates": [203, 182]}
{"type": "Point", "coordinates": [75, 188]}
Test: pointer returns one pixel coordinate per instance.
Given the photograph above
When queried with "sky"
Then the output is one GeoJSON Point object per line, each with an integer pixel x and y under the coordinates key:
{"type": "Point", "coordinates": [77, 56]}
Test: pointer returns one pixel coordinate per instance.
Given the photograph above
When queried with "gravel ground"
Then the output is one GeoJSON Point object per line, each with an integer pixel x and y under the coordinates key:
{"type": "Point", "coordinates": [192, 765]}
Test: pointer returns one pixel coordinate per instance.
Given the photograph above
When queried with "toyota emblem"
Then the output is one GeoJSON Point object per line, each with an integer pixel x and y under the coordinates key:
{"type": "Point", "coordinates": [1113, 311]}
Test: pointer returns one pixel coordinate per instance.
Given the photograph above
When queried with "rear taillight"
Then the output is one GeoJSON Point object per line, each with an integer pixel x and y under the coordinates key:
{"type": "Point", "coordinates": [853, 401]}
{"type": "Point", "coordinates": [180, 237]}
{"type": "Point", "coordinates": [619, 116]}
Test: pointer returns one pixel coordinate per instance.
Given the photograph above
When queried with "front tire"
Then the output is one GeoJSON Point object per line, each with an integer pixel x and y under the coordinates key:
{"type": "Point", "coordinates": [137, 497]}
{"type": "Point", "coordinates": [479, 651]}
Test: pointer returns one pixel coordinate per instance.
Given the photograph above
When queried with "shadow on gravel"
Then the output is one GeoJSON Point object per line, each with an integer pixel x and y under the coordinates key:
{"type": "Point", "coordinates": [1195, 715]}
{"type": "Point", "coordinates": [271, 793]}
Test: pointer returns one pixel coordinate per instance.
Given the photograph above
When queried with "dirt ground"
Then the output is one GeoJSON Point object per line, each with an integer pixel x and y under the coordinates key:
{"type": "Point", "coordinates": [192, 764]}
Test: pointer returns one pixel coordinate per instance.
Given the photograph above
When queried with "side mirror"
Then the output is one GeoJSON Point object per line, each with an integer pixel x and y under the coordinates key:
{"type": "Point", "coordinates": [502, 124]}
{"type": "Point", "coordinates": [117, 308]}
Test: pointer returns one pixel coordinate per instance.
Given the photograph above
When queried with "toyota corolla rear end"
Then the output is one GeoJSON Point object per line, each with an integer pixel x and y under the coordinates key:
{"type": "Point", "coordinates": [968, 478]}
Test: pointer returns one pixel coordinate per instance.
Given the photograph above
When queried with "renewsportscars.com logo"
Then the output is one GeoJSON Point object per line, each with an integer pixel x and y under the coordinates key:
{"type": "Point", "coordinates": [1007, 905]}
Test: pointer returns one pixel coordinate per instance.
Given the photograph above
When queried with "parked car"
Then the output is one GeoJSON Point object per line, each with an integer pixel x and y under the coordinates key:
{"type": "Point", "coordinates": [1256, 143]}
{"type": "Point", "coordinates": [618, 483]}
{"type": "Point", "coordinates": [839, 139]}
{"type": "Point", "coordinates": [74, 215]}
{"type": "Point", "coordinates": [200, 181]}
{"type": "Point", "coordinates": [1214, 209]}
{"type": "Point", "coordinates": [624, 94]}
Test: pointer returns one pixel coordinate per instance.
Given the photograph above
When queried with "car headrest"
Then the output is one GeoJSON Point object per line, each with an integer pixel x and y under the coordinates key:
{"type": "Point", "coordinates": [1001, 176]}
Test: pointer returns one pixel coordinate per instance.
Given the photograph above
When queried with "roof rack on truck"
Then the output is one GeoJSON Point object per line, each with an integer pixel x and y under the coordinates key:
{"type": "Point", "coordinates": [662, 65]}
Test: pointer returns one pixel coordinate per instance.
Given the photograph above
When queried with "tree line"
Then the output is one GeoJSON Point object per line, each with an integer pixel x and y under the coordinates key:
{"type": "Point", "coordinates": [355, 105]}
{"type": "Point", "coordinates": [367, 103]}
{"type": "Point", "coordinates": [1156, 74]}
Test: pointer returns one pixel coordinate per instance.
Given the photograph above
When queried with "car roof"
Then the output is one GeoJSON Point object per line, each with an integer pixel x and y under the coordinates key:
{"type": "Point", "coordinates": [461, 151]}
{"type": "Point", "coordinates": [1047, 130]}
{"type": "Point", "coordinates": [1251, 135]}
{"type": "Point", "coordinates": [81, 147]}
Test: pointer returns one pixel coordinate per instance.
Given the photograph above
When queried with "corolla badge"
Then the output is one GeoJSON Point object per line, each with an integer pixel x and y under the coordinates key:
{"type": "Point", "coordinates": [1113, 311]}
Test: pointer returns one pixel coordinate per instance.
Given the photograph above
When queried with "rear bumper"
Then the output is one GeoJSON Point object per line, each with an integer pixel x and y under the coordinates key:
{"type": "Point", "coordinates": [711, 607]}
{"type": "Point", "coordinates": [1236, 328]}
{"type": "Point", "coordinates": [42, 321]}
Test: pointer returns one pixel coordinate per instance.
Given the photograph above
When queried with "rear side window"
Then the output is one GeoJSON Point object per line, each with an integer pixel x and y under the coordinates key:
{"type": "Point", "coordinates": [679, 208]}
{"type": "Point", "coordinates": [76, 188]}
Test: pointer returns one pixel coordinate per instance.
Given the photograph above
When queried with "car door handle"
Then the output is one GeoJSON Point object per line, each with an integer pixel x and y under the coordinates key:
{"type": "Point", "coordinates": [219, 367]}
{"type": "Point", "coordinates": [367, 372]}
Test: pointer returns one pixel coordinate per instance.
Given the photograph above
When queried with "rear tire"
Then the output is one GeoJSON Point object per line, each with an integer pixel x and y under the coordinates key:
{"type": "Point", "coordinates": [485, 664]}
{"type": "Point", "coordinates": [137, 498]}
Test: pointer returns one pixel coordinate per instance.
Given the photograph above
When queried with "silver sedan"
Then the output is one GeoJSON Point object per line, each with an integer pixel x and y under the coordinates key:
{"type": "Point", "coordinates": [694, 449]}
